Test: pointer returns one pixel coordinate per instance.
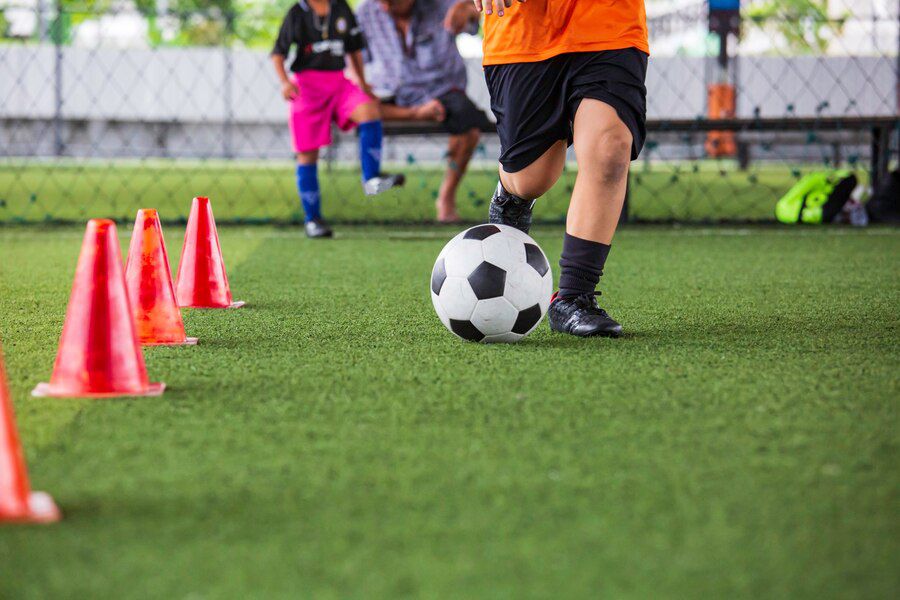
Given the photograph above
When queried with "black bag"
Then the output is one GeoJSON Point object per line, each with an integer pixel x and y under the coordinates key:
{"type": "Point", "coordinates": [884, 206]}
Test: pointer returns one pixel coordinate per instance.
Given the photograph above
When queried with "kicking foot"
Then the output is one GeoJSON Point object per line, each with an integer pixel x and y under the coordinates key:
{"type": "Point", "coordinates": [509, 209]}
{"type": "Point", "coordinates": [581, 316]}
{"type": "Point", "coordinates": [382, 183]}
{"type": "Point", "coordinates": [317, 229]}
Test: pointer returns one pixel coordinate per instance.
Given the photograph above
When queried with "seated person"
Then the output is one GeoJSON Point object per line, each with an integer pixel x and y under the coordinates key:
{"type": "Point", "coordinates": [413, 64]}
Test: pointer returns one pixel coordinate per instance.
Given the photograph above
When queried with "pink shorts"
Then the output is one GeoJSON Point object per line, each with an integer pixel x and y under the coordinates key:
{"type": "Point", "coordinates": [325, 96]}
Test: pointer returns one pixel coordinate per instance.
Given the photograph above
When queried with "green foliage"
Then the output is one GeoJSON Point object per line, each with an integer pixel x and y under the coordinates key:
{"type": "Point", "coordinates": [251, 23]}
{"type": "Point", "coordinates": [204, 22]}
{"type": "Point", "coordinates": [91, 7]}
{"type": "Point", "coordinates": [72, 13]}
{"type": "Point", "coordinates": [257, 23]}
{"type": "Point", "coordinates": [149, 9]}
{"type": "Point", "coordinates": [804, 24]}
{"type": "Point", "coordinates": [146, 7]}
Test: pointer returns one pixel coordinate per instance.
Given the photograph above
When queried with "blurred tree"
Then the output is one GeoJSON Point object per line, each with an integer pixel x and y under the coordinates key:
{"type": "Point", "coordinates": [257, 22]}
{"type": "Point", "coordinates": [252, 23]}
{"type": "Point", "coordinates": [804, 24]}
{"type": "Point", "coordinates": [150, 11]}
{"type": "Point", "coordinates": [204, 22]}
{"type": "Point", "coordinates": [72, 13]}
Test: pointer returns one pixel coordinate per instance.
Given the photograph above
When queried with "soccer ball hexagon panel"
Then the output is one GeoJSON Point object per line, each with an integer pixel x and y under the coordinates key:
{"type": "Point", "coordinates": [491, 283]}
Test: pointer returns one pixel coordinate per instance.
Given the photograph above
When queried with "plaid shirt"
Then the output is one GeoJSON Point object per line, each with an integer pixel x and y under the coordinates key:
{"type": "Point", "coordinates": [430, 66]}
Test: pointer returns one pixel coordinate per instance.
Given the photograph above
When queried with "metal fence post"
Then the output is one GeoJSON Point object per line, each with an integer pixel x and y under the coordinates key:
{"type": "Point", "coordinates": [227, 95]}
{"type": "Point", "coordinates": [41, 10]}
{"type": "Point", "coordinates": [58, 145]}
{"type": "Point", "coordinates": [881, 155]}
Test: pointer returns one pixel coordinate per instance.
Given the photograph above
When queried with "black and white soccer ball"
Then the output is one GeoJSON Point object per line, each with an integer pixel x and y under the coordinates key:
{"type": "Point", "coordinates": [491, 283]}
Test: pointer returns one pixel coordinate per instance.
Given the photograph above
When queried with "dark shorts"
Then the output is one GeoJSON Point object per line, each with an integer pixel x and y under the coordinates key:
{"type": "Point", "coordinates": [462, 114]}
{"type": "Point", "coordinates": [535, 103]}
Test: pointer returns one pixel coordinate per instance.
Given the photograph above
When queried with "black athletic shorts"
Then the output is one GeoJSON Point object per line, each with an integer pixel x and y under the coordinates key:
{"type": "Point", "coordinates": [462, 114]}
{"type": "Point", "coordinates": [535, 103]}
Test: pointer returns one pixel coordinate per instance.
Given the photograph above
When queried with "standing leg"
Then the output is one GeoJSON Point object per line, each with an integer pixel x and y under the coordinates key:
{"type": "Point", "coordinates": [459, 153]}
{"type": "Point", "coordinates": [308, 184]}
{"type": "Point", "coordinates": [310, 197]}
{"type": "Point", "coordinates": [603, 150]}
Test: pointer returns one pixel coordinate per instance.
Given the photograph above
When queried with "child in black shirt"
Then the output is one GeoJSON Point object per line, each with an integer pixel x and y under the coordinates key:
{"type": "Point", "coordinates": [326, 34]}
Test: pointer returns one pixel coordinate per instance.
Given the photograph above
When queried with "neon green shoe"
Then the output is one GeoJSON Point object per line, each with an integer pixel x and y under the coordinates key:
{"type": "Point", "coordinates": [805, 202]}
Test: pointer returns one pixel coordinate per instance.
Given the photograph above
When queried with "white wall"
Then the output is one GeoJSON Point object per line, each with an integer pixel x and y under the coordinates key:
{"type": "Point", "coordinates": [189, 85]}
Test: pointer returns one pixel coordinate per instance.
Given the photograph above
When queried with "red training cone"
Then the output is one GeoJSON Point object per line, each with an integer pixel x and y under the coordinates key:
{"type": "Point", "coordinates": [148, 280]}
{"type": "Point", "coordinates": [18, 504]}
{"type": "Point", "coordinates": [99, 355]}
{"type": "Point", "coordinates": [202, 282]}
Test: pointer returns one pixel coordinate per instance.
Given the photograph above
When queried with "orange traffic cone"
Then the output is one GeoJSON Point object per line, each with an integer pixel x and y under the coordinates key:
{"type": "Point", "coordinates": [149, 284]}
{"type": "Point", "coordinates": [18, 504]}
{"type": "Point", "coordinates": [99, 355]}
{"type": "Point", "coordinates": [202, 282]}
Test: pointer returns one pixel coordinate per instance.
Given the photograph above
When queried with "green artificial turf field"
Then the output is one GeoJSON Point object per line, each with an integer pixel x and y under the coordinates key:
{"type": "Point", "coordinates": [246, 191]}
{"type": "Point", "coordinates": [332, 440]}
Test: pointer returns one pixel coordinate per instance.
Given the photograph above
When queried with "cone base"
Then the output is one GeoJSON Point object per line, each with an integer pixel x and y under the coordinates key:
{"type": "Point", "coordinates": [47, 390]}
{"type": "Point", "coordinates": [189, 341]}
{"type": "Point", "coordinates": [236, 304]}
{"type": "Point", "coordinates": [41, 509]}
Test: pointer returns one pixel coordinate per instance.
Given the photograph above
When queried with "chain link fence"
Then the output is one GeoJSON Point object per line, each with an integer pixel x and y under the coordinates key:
{"type": "Point", "coordinates": [109, 106]}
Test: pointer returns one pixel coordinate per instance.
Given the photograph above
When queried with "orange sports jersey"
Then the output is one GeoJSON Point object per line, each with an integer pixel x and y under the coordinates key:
{"type": "Point", "coordinates": [541, 29]}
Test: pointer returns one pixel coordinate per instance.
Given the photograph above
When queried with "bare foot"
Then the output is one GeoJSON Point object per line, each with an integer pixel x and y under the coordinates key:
{"type": "Point", "coordinates": [446, 212]}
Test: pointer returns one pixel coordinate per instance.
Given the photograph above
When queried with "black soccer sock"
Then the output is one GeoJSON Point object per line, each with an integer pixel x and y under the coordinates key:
{"type": "Point", "coordinates": [581, 266]}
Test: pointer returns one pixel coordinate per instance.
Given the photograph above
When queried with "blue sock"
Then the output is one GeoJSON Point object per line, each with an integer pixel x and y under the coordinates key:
{"type": "Point", "coordinates": [308, 186]}
{"type": "Point", "coordinates": [370, 149]}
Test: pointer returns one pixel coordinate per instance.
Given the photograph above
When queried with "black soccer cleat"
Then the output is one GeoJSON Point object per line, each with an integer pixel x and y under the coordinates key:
{"type": "Point", "coordinates": [317, 229]}
{"type": "Point", "coordinates": [581, 316]}
{"type": "Point", "coordinates": [509, 209]}
{"type": "Point", "coordinates": [383, 182]}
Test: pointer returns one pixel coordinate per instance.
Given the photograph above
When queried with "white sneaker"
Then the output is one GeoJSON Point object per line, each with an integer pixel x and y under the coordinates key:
{"type": "Point", "coordinates": [382, 183]}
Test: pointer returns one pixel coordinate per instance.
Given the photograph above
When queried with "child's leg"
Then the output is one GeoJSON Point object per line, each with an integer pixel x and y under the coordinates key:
{"type": "Point", "coordinates": [353, 107]}
{"type": "Point", "coordinates": [368, 117]}
{"type": "Point", "coordinates": [536, 179]}
{"type": "Point", "coordinates": [517, 191]}
{"type": "Point", "coordinates": [603, 150]}
{"type": "Point", "coordinates": [308, 184]}
{"type": "Point", "coordinates": [460, 149]}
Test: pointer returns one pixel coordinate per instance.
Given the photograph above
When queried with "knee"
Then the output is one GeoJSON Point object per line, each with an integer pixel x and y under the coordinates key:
{"type": "Point", "coordinates": [472, 137]}
{"type": "Point", "coordinates": [370, 111]}
{"type": "Point", "coordinates": [465, 142]}
{"type": "Point", "coordinates": [607, 155]}
{"type": "Point", "coordinates": [307, 158]}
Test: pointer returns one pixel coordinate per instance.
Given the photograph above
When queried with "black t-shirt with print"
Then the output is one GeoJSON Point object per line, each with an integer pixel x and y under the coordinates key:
{"type": "Point", "coordinates": [322, 42]}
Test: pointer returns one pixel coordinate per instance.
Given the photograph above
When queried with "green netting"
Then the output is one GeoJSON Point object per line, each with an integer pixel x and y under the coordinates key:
{"type": "Point", "coordinates": [102, 126]}
{"type": "Point", "coordinates": [265, 192]}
